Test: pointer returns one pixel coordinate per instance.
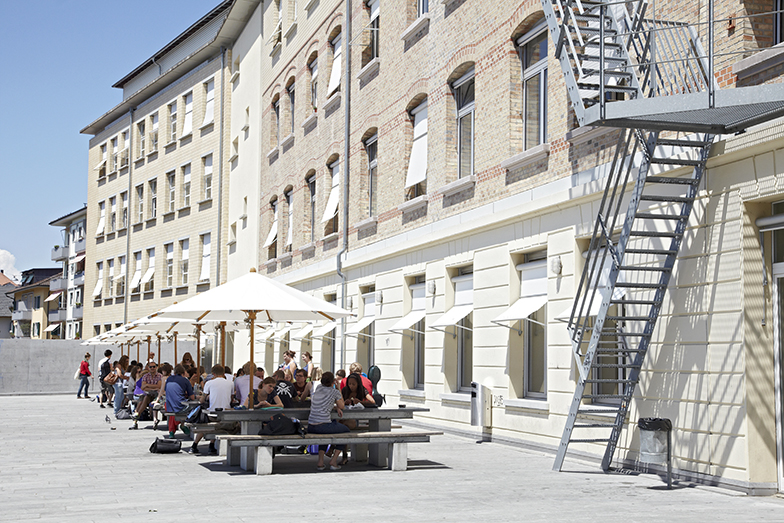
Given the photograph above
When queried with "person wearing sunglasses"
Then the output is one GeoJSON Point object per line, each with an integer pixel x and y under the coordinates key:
{"type": "Point", "coordinates": [151, 384]}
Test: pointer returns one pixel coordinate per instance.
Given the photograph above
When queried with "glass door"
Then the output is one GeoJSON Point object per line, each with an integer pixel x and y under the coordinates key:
{"type": "Point", "coordinates": [778, 304]}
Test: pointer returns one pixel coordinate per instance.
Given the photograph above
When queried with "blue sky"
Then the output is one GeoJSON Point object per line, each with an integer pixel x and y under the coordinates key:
{"type": "Point", "coordinates": [62, 57]}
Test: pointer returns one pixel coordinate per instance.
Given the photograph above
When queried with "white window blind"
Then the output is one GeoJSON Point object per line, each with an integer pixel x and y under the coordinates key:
{"type": "Point", "coordinates": [533, 292]}
{"type": "Point", "coordinates": [273, 233]}
{"type": "Point", "coordinates": [417, 165]}
{"type": "Point", "coordinates": [464, 303]}
{"type": "Point", "coordinates": [169, 251]}
{"type": "Point", "coordinates": [110, 267]}
{"type": "Point", "coordinates": [205, 258]}
{"type": "Point", "coordinates": [334, 194]}
{"type": "Point", "coordinates": [184, 246]}
{"type": "Point", "coordinates": [101, 220]}
{"type": "Point", "coordinates": [122, 268]}
{"type": "Point", "coordinates": [209, 108]}
{"type": "Point", "coordinates": [155, 122]}
{"type": "Point", "coordinates": [289, 232]}
{"type": "Point", "coordinates": [137, 274]}
{"type": "Point", "coordinates": [99, 283]}
{"type": "Point", "coordinates": [150, 267]}
{"type": "Point", "coordinates": [208, 177]}
{"type": "Point", "coordinates": [334, 77]}
{"type": "Point", "coordinates": [418, 302]}
{"type": "Point", "coordinates": [374, 8]}
{"type": "Point", "coordinates": [186, 185]}
{"type": "Point", "coordinates": [187, 126]}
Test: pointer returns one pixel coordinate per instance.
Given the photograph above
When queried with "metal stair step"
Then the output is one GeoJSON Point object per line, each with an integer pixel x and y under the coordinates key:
{"type": "Point", "coordinates": [607, 59]}
{"type": "Point", "coordinates": [633, 285]}
{"type": "Point", "coordinates": [680, 143]}
{"type": "Point", "coordinates": [607, 45]}
{"type": "Point", "coordinates": [655, 234]}
{"type": "Point", "coordinates": [666, 252]}
{"type": "Point", "coordinates": [663, 198]}
{"type": "Point", "coordinates": [671, 180]}
{"type": "Point", "coordinates": [676, 161]}
{"type": "Point", "coordinates": [596, 72]}
{"type": "Point", "coordinates": [628, 318]}
{"type": "Point", "coordinates": [592, 411]}
{"type": "Point", "coordinates": [616, 366]}
{"type": "Point", "coordinates": [589, 440]}
{"type": "Point", "coordinates": [594, 31]}
{"type": "Point", "coordinates": [618, 351]}
{"type": "Point", "coordinates": [607, 88]}
{"type": "Point", "coordinates": [602, 380]}
{"type": "Point", "coordinates": [594, 426]}
{"type": "Point", "coordinates": [600, 396]}
{"type": "Point", "coordinates": [643, 268]}
{"type": "Point", "coordinates": [635, 302]}
{"type": "Point", "coordinates": [652, 216]}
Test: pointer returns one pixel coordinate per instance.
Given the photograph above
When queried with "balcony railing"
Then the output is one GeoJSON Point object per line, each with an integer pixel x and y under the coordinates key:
{"type": "Point", "coordinates": [78, 313]}
{"type": "Point", "coordinates": [59, 253]}
{"type": "Point", "coordinates": [79, 246]}
{"type": "Point", "coordinates": [23, 315]}
{"type": "Point", "coordinates": [58, 284]}
{"type": "Point", "coordinates": [79, 279]}
{"type": "Point", "coordinates": [58, 315]}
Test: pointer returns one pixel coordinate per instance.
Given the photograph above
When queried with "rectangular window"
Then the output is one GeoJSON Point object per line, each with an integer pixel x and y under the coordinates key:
{"type": "Point", "coordinates": [207, 183]}
{"type": "Point", "coordinates": [169, 264]}
{"type": "Point", "coordinates": [36, 302]}
{"type": "Point", "coordinates": [209, 106]}
{"type": "Point", "coordinates": [113, 214]}
{"type": "Point", "coordinates": [173, 121]}
{"type": "Point", "coordinates": [276, 112]}
{"type": "Point", "coordinates": [312, 195]}
{"type": "Point", "coordinates": [271, 242]}
{"type": "Point", "coordinates": [416, 176]}
{"type": "Point", "coordinates": [126, 149]}
{"type": "Point", "coordinates": [314, 84]}
{"type": "Point", "coordinates": [119, 280]}
{"type": "Point", "coordinates": [172, 180]}
{"type": "Point", "coordinates": [422, 7]}
{"type": "Point", "coordinates": [334, 77]}
{"type": "Point", "coordinates": [153, 198]}
{"type": "Point", "coordinates": [204, 275]}
{"type": "Point", "coordinates": [142, 139]}
{"type": "Point", "coordinates": [374, 6]}
{"type": "Point", "coordinates": [464, 98]}
{"type": "Point", "coordinates": [290, 226]}
{"type": "Point", "coordinates": [124, 198]}
{"type": "Point", "coordinates": [140, 203]}
{"type": "Point", "coordinates": [291, 106]}
{"type": "Point", "coordinates": [148, 280]}
{"type": "Point", "coordinates": [464, 285]}
{"type": "Point", "coordinates": [101, 168]}
{"type": "Point", "coordinates": [98, 281]}
{"type": "Point", "coordinates": [330, 217]}
{"type": "Point", "coordinates": [184, 254]}
{"type": "Point", "coordinates": [187, 125]}
{"type": "Point", "coordinates": [137, 271]}
{"type": "Point", "coordinates": [371, 147]}
{"type": "Point", "coordinates": [102, 219]}
{"type": "Point", "coordinates": [110, 277]}
{"type": "Point", "coordinates": [186, 186]}
{"type": "Point", "coordinates": [154, 133]}
{"type": "Point", "coordinates": [115, 154]}
{"type": "Point", "coordinates": [533, 51]}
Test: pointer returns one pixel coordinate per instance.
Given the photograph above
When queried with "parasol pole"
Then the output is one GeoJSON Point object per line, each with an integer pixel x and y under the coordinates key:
{"type": "Point", "coordinates": [198, 347]}
{"type": "Point", "coordinates": [138, 342]}
{"type": "Point", "coordinates": [175, 348]}
{"type": "Point", "coordinates": [159, 348]}
{"type": "Point", "coordinates": [252, 318]}
{"type": "Point", "coordinates": [223, 344]}
{"type": "Point", "coordinates": [149, 340]}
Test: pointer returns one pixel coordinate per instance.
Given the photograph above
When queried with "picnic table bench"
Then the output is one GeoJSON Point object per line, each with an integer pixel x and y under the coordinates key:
{"type": "Point", "coordinates": [259, 449]}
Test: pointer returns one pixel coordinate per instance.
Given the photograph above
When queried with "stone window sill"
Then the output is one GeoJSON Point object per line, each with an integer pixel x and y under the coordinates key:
{"type": "Point", "coordinates": [206, 200]}
{"type": "Point", "coordinates": [461, 184]}
{"type": "Point", "coordinates": [330, 237]}
{"type": "Point", "coordinates": [332, 100]}
{"type": "Point", "coordinates": [290, 30]}
{"type": "Point", "coordinates": [277, 47]}
{"type": "Point", "coordinates": [186, 136]}
{"type": "Point", "coordinates": [272, 152]}
{"type": "Point", "coordinates": [413, 204]}
{"type": "Point", "coordinates": [371, 67]}
{"type": "Point", "coordinates": [412, 393]}
{"type": "Point", "coordinates": [184, 208]}
{"type": "Point", "coordinates": [167, 214]}
{"type": "Point", "coordinates": [526, 158]}
{"type": "Point", "coordinates": [234, 77]}
{"type": "Point", "coordinates": [308, 248]}
{"type": "Point", "coordinates": [759, 62]}
{"type": "Point", "coordinates": [415, 27]}
{"type": "Point", "coordinates": [583, 134]}
{"type": "Point", "coordinates": [309, 4]}
{"type": "Point", "coordinates": [233, 157]}
{"type": "Point", "coordinates": [527, 404]}
{"type": "Point", "coordinates": [284, 257]}
{"type": "Point", "coordinates": [367, 222]}
{"type": "Point", "coordinates": [456, 397]}
{"type": "Point", "coordinates": [310, 119]}
{"type": "Point", "coordinates": [207, 124]}
{"type": "Point", "coordinates": [287, 140]}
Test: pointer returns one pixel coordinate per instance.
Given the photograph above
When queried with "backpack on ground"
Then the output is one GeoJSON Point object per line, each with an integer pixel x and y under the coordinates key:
{"type": "Point", "coordinates": [281, 425]}
{"type": "Point", "coordinates": [165, 446]}
{"type": "Point", "coordinates": [123, 414]}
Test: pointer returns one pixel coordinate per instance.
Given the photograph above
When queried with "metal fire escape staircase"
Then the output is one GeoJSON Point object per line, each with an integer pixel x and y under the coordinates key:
{"type": "Point", "coordinates": [618, 65]}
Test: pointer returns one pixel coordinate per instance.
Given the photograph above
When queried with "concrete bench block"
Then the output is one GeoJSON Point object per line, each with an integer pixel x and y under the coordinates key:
{"type": "Point", "coordinates": [398, 456]}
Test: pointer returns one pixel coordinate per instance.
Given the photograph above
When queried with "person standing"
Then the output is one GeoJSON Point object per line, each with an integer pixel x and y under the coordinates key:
{"type": "Point", "coordinates": [84, 377]}
{"type": "Point", "coordinates": [104, 369]}
{"type": "Point", "coordinates": [121, 368]}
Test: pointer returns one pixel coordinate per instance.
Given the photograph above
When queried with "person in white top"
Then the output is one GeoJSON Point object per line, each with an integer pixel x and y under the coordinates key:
{"type": "Point", "coordinates": [241, 384]}
{"type": "Point", "coordinates": [218, 391]}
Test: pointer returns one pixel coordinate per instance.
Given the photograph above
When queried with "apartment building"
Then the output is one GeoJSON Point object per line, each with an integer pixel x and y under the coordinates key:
{"type": "Point", "coordinates": [66, 292]}
{"type": "Point", "coordinates": [30, 316]}
{"type": "Point", "coordinates": [455, 219]}
{"type": "Point", "coordinates": [158, 177]}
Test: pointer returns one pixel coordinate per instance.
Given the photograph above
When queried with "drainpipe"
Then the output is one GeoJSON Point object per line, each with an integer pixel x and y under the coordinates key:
{"type": "Point", "coordinates": [220, 169]}
{"type": "Point", "coordinates": [128, 228]}
{"type": "Point", "coordinates": [346, 151]}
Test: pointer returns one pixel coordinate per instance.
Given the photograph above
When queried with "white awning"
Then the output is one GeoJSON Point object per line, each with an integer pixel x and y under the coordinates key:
{"type": "Point", "coordinates": [522, 308]}
{"type": "Point", "coordinates": [359, 326]}
{"type": "Point", "coordinates": [417, 164]}
{"type": "Point", "coordinates": [98, 288]}
{"type": "Point", "coordinates": [137, 277]}
{"type": "Point", "coordinates": [147, 276]}
{"type": "Point", "coordinates": [118, 276]}
{"type": "Point", "coordinates": [303, 332]}
{"type": "Point", "coordinates": [267, 334]}
{"type": "Point", "coordinates": [325, 329]}
{"type": "Point", "coordinates": [374, 8]}
{"type": "Point", "coordinates": [335, 74]}
{"type": "Point", "coordinates": [53, 296]}
{"type": "Point", "coordinates": [453, 316]}
{"type": "Point", "coordinates": [282, 332]}
{"type": "Point", "coordinates": [52, 327]}
{"type": "Point", "coordinates": [408, 321]}
{"type": "Point", "coordinates": [101, 225]}
{"type": "Point", "coordinates": [79, 258]}
{"type": "Point", "coordinates": [101, 165]}
{"type": "Point", "coordinates": [273, 234]}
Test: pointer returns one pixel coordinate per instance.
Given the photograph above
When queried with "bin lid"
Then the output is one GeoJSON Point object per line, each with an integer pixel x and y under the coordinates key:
{"type": "Point", "coordinates": [654, 424]}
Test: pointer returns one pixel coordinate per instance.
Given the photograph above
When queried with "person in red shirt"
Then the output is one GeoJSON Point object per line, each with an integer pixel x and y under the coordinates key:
{"type": "Point", "coordinates": [356, 368]}
{"type": "Point", "coordinates": [84, 375]}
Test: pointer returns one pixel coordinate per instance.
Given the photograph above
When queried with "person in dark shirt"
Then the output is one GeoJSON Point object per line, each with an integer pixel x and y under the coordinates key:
{"type": "Point", "coordinates": [284, 389]}
{"type": "Point", "coordinates": [178, 391]}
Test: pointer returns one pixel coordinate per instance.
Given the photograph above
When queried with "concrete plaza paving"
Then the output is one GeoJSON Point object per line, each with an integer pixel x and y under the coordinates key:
{"type": "Point", "coordinates": [62, 462]}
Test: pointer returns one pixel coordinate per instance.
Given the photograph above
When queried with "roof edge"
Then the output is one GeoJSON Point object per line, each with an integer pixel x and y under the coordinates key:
{"type": "Point", "coordinates": [70, 216]}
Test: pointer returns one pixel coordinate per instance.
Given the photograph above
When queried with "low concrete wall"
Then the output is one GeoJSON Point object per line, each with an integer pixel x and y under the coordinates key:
{"type": "Point", "coordinates": [47, 366]}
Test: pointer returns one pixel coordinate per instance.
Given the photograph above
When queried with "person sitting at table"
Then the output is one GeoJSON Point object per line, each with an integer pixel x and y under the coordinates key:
{"type": "Point", "coordinates": [242, 381]}
{"type": "Point", "coordinates": [218, 391]}
{"type": "Point", "coordinates": [268, 395]}
{"type": "Point", "coordinates": [302, 386]}
{"type": "Point", "coordinates": [284, 389]}
{"type": "Point", "coordinates": [187, 361]}
{"type": "Point", "coordinates": [195, 379]}
{"type": "Point", "coordinates": [355, 393]}
{"type": "Point", "coordinates": [340, 375]}
{"type": "Point", "coordinates": [260, 372]}
{"type": "Point", "coordinates": [150, 384]}
{"type": "Point", "coordinates": [356, 368]}
{"type": "Point", "coordinates": [178, 391]}
{"type": "Point", "coordinates": [315, 380]}
{"type": "Point", "coordinates": [120, 368]}
{"type": "Point", "coordinates": [325, 398]}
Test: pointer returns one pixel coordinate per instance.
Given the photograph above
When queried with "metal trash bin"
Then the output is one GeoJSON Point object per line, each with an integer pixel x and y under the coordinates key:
{"type": "Point", "coordinates": [656, 443]}
{"type": "Point", "coordinates": [480, 405]}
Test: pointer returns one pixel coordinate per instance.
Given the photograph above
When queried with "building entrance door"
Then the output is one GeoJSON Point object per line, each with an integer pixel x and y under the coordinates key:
{"type": "Point", "coordinates": [778, 289]}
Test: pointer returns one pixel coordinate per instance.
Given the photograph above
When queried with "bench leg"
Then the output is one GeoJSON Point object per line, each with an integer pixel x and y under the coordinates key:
{"type": "Point", "coordinates": [264, 461]}
{"type": "Point", "coordinates": [359, 452]}
{"type": "Point", "coordinates": [398, 456]}
{"type": "Point", "coordinates": [232, 454]}
{"type": "Point", "coordinates": [378, 454]}
{"type": "Point", "coordinates": [248, 458]}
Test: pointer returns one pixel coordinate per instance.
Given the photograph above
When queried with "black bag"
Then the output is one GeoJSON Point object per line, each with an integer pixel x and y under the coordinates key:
{"type": "Point", "coordinates": [165, 446]}
{"type": "Point", "coordinates": [106, 369]}
{"type": "Point", "coordinates": [281, 425]}
{"type": "Point", "coordinates": [197, 415]}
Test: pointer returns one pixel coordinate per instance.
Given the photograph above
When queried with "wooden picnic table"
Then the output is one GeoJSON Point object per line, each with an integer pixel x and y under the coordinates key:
{"type": "Point", "coordinates": [379, 420]}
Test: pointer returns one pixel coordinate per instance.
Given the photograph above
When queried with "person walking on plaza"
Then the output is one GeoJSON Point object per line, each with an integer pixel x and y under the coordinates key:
{"type": "Point", "coordinates": [84, 377]}
{"type": "Point", "coordinates": [104, 369]}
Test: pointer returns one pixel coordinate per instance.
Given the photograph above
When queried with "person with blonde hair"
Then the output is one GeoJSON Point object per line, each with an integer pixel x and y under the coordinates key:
{"type": "Point", "coordinates": [308, 367]}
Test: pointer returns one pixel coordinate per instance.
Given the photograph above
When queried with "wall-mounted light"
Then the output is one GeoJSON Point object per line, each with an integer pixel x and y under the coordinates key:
{"type": "Point", "coordinates": [379, 297]}
{"type": "Point", "coordinates": [556, 265]}
{"type": "Point", "coordinates": [349, 302]}
{"type": "Point", "coordinates": [431, 287]}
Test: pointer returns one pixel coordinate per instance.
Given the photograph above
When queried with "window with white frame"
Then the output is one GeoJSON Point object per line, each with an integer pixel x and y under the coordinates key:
{"type": "Point", "coordinates": [102, 164]}
{"type": "Point", "coordinates": [423, 6]}
{"type": "Point", "coordinates": [113, 214]}
{"type": "Point", "coordinates": [276, 114]}
{"type": "Point", "coordinates": [119, 280]}
{"type": "Point", "coordinates": [115, 164]}
{"type": "Point", "coordinates": [371, 148]}
{"type": "Point", "coordinates": [465, 346]}
{"type": "Point", "coordinates": [187, 124]}
{"type": "Point", "coordinates": [335, 74]}
{"type": "Point", "coordinates": [137, 271]}
{"type": "Point", "coordinates": [148, 280]}
{"type": "Point", "coordinates": [330, 217]}
{"type": "Point", "coordinates": [204, 274]}
{"type": "Point", "coordinates": [533, 57]}
{"type": "Point", "coordinates": [292, 105]}
{"type": "Point", "coordinates": [271, 243]}
{"type": "Point", "coordinates": [416, 177]}
{"type": "Point", "coordinates": [207, 182]}
{"type": "Point", "coordinates": [184, 254]}
{"type": "Point", "coordinates": [311, 181]}
{"type": "Point", "coordinates": [153, 198]}
{"type": "Point", "coordinates": [533, 283]}
{"type": "Point", "coordinates": [374, 6]}
{"type": "Point", "coordinates": [140, 203]}
{"type": "Point", "coordinates": [99, 281]}
{"type": "Point", "coordinates": [126, 148]}
{"type": "Point", "coordinates": [412, 328]}
{"type": "Point", "coordinates": [154, 132]}
{"type": "Point", "coordinates": [313, 66]}
{"type": "Point", "coordinates": [110, 277]}
{"type": "Point", "coordinates": [186, 185]}
{"type": "Point", "coordinates": [289, 195]}
{"type": "Point", "coordinates": [171, 178]}
{"type": "Point", "coordinates": [173, 121]}
{"type": "Point", "coordinates": [142, 138]}
{"type": "Point", "coordinates": [209, 105]}
{"type": "Point", "coordinates": [102, 219]}
{"type": "Point", "coordinates": [124, 216]}
{"type": "Point", "coordinates": [169, 265]}
{"type": "Point", "coordinates": [463, 89]}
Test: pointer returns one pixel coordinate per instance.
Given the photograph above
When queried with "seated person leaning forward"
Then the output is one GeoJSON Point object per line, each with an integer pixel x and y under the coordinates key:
{"type": "Point", "coordinates": [151, 382]}
{"type": "Point", "coordinates": [354, 393]}
{"type": "Point", "coordinates": [178, 391]}
{"type": "Point", "coordinates": [267, 395]}
{"type": "Point", "coordinates": [219, 392]}
{"type": "Point", "coordinates": [320, 422]}
{"type": "Point", "coordinates": [302, 386]}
